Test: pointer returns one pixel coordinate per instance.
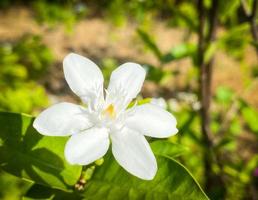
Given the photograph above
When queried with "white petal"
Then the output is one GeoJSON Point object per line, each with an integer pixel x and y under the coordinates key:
{"type": "Point", "coordinates": [125, 83]}
{"type": "Point", "coordinates": [151, 120]}
{"type": "Point", "coordinates": [62, 119]}
{"type": "Point", "coordinates": [133, 153]}
{"type": "Point", "coordinates": [84, 78]}
{"type": "Point", "coordinates": [86, 147]}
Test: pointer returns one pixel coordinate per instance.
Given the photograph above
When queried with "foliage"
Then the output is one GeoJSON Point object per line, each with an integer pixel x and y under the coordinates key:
{"type": "Point", "coordinates": [12, 187]}
{"type": "Point", "coordinates": [233, 118]}
{"type": "Point", "coordinates": [40, 159]}
{"type": "Point", "coordinates": [21, 64]}
{"type": "Point", "coordinates": [53, 13]}
{"type": "Point", "coordinates": [250, 116]}
{"type": "Point", "coordinates": [37, 158]}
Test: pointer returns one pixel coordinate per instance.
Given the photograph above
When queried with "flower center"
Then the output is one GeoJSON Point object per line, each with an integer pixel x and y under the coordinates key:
{"type": "Point", "coordinates": [110, 111]}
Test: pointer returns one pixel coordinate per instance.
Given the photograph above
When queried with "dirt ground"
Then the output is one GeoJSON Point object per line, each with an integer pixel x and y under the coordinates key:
{"type": "Point", "coordinates": [96, 39]}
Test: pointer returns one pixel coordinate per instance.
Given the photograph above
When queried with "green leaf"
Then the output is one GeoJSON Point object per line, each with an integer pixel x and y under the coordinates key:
{"type": "Point", "coordinates": [150, 43]}
{"type": "Point", "coordinates": [155, 74]}
{"type": "Point", "coordinates": [184, 15]}
{"type": "Point", "coordinates": [224, 94]}
{"type": "Point", "coordinates": [228, 8]}
{"type": "Point", "coordinates": [234, 41]}
{"type": "Point", "coordinates": [158, 75]}
{"type": "Point", "coordinates": [27, 154]}
{"type": "Point", "coordinates": [110, 181]}
{"type": "Point", "coordinates": [167, 148]}
{"type": "Point", "coordinates": [172, 181]}
{"type": "Point", "coordinates": [43, 192]}
{"type": "Point", "coordinates": [179, 52]}
{"type": "Point", "coordinates": [161, 148]}
{"type": "Point", "coordinates": [250, 116]}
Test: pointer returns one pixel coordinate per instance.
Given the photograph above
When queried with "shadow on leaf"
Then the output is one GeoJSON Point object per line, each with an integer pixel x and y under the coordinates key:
{"type": "Point", "coordinates": [27, 154]}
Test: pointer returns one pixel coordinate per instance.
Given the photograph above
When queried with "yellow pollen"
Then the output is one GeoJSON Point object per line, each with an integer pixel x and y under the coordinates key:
{"type": "Point", "coordinates": [110, 111]}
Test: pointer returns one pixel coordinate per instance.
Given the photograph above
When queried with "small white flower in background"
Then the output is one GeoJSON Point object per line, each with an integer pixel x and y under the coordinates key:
{"type": "Point", "coordinates": [106, 118]}
{"type": "Point", "coordinates": [196, 105]}
{"type": "Point", "coordinates": [161, 102]}
{"type": "Point", "coordinates": [174, 105]}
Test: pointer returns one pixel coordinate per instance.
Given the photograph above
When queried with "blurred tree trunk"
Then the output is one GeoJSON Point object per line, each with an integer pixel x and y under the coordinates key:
{"type": "Point", "coordinates": [204, 40]}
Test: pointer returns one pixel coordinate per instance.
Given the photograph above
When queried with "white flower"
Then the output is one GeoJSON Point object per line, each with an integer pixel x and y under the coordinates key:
{"type": "Point", "coordinates": [161, 102]}
{"type": "Point", "coordinates": [106, 118]}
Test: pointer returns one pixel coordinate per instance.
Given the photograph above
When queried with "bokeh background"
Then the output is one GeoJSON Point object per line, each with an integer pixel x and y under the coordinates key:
{"type": "Point", "coordinates": [178, 42]}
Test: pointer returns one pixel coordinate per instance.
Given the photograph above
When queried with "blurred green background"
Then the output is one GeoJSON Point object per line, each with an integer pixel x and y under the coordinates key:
{"type": "Point", "coordinates": [163, 36]}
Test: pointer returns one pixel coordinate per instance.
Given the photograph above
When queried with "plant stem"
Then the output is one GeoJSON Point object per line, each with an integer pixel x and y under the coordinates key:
{"type": "Point", "coordinates": [205, 85]}
{"type": "Point", "coordinates": [251, 17]}
{"type": "Point", "coordinates": [252, 20]}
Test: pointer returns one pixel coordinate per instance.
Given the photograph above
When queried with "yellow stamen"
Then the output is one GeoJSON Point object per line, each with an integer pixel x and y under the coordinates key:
{"type": "Point", "coordinates": [110, 111]}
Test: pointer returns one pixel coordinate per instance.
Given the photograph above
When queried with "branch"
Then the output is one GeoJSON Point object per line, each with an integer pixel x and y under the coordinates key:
{"type": "Point", "coordinates": [206, 68]}
{"type": "Point", "coordinates": [251, 17]}
{"type": "Point", "coordinates": [252, 20]}
{"type": "Point", "coordinates": [201, 32]}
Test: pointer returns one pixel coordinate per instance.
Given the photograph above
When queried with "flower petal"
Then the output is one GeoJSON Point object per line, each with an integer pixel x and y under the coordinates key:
{"type": "Point", "coordinates": [85, 147]}
{"type": "Point", "coordinates": [62, 119]}
{"type": "Point", "coordinates": [133, 153]}
{"type": "Point", "coordinates": [151, 120]}
{"type": "Point", "coordinates": [84, 78]}
{"type": "Point", "coordinates": [125, 83]}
